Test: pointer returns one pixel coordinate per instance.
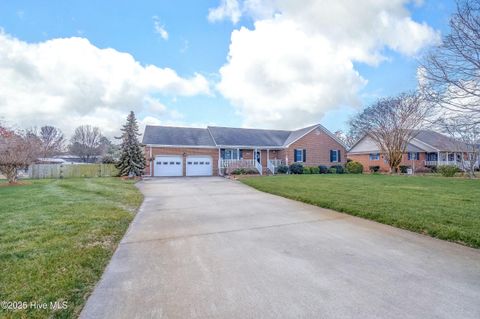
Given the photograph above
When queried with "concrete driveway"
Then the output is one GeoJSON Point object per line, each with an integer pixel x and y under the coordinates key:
{"type": "Point", "coordinates": [214, 248]}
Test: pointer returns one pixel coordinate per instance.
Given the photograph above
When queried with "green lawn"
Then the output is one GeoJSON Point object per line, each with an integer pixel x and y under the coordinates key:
{"type": "Point", "coordinates": [447, 208]}
{"type": "Point", "coordinates": [57, 236]}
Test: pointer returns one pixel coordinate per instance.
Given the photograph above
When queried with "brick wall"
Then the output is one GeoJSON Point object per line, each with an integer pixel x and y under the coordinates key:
{"type": "Point", "coordinates": [364, 159]}
{"type": "Point", "coordinates": [213, 152]}
{"type": "Point", "coordinates": [318, 145]}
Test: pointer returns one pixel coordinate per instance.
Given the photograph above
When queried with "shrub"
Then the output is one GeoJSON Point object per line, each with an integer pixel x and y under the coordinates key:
{"type": "Point", "coordinates": [354, 167]}
{"type": "Point", "coordinates": [323, 169]}
{"type": "Point", "coordinates": [282, 169]}
{"type": "Point", "coordinates": [238, 171]}
{"type": "Point", "coordinates": [432, 168]}
{"type": "Point", "coordinates": [338, 168]}
{"type": "Point", "coordinates": [332, 170]}
{"type": "Point", "coordinates": [423, 170]}
{"type": "Point", "coordinates": [307, 170]}
{"type": "Point", "coordinates": [108, 159]}
{"type": "Point", "coordinates": [404, 168]}
{"type": "Point", "coordinates": [374, 169]}
{"type": "Point", "coordinates": [447, 170]}
{"type": "Point", "coordinates": [314, 170]}
{"type": "Point", "coordinates": [296, 168]}
{"type": "Point", "coordinates": [244, 171]}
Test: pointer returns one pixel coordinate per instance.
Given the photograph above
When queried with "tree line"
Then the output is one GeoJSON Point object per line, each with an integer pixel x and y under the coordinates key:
{"type": "Point", "coordinates": [447, 98]}
{"type": "Point", "coordinates": [20, 148]}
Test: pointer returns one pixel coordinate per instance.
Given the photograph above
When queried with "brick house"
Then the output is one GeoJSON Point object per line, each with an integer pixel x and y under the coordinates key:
{"type": "Point", "coordinates": [182, 151]}
{"type": "Point", "coordinates": [427, 149]}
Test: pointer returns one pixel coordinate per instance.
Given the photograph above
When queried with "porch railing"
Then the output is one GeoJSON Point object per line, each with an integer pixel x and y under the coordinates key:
{"type": "Point", "coordinates": [438, 163]}
{"type": "Point", "coordinates": [237, 163]}
{"type": "Point", "coordinates": [259, 167]}
{"type": "Point", "coordinates": [459, 164]}
{"type": "Point", "coordinates": [273, 164]}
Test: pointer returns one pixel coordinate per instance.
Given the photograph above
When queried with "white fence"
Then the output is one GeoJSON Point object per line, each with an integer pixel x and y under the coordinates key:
{"type": "Point", "coordinates": [40, 171]}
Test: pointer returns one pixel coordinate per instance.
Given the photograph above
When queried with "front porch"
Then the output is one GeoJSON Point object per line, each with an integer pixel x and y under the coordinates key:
{"type": "Point", "coordinates": [447, 158]}
{"type": "Point", "coordinates": [264, 161]}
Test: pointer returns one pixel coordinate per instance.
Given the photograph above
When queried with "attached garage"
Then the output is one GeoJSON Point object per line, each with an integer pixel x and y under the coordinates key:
{"type": "Point", "coordinates": [168, 166]}
{"type": "Point", "coordinates": [199, 165]}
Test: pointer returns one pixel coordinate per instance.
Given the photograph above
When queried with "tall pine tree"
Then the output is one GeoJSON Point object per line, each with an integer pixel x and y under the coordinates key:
{"type": "Point", "coordinates": [132, 161]}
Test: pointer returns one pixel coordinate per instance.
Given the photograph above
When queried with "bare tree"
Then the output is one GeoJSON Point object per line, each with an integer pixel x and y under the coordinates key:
{"type": "Point", "coordinates": [392, 123]}
{"type": "Point", "coordinates": [450, 74]}
{"type": "Point", "coordinates": [18, 149]}
{"type": "Point", "coordinates": [87, 142]}
{"type": "Point", "coordinates": [52, 140]}
{"type": "Point", "coordinates": [466, 137]}
{"type": "Point", "coordinates": [347, 138]}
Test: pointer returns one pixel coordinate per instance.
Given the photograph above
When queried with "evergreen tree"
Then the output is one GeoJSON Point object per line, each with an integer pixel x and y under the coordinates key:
{"type": "Point", "coordinates": [132, 161]}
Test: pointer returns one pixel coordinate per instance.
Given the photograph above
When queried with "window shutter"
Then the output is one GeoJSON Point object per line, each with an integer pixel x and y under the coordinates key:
{"type": "Point", "coordinates": [331, 156]}
{"type": "Point", "coordinates": [295, 159]}
{"type": "Point", "coordinates": [304, 156]}
{"type": "Point", "coordinates": [418, 156]}
{"type": "Point", "coordinates": [339, 159]}
{"type": "Point", "coordinates": [241, 154]}
{"type": "Point", "coordinates": [222, 154]}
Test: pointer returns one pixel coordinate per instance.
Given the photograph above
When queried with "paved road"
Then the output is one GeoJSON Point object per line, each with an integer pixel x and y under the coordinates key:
{"type": "Point", "coordinates": [213, 248]}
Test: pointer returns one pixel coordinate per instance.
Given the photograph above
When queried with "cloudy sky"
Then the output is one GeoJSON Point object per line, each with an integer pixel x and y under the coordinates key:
{"type": "Point", "coordinates": [250, 63]}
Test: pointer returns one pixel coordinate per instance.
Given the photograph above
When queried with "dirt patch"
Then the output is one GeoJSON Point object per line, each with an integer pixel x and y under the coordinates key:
{"type": "Point", "coordinates": [6, 184]}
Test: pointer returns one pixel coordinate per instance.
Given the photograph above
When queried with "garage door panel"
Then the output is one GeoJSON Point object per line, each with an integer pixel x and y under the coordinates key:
{"type": "Point", "coordinates": [199, 166]}
{"type": "Point", "coordinates": [168, 166]}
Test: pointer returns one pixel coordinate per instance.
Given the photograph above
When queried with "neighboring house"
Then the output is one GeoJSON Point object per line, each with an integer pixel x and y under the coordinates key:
{"type": "Point", "coordinates": [182, 151]}
{"type": "Point", "coordinates": [427, 149]}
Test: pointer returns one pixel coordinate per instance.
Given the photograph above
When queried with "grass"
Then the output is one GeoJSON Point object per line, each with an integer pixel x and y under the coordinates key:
{"type": "Point", "coordinates": [57, 236]}
{"type": "Point", "coordinates": [446, 208]}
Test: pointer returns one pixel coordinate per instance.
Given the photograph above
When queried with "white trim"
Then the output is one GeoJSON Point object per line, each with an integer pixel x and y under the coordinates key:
{"type": "Point", "coordinates": [182, 146]}
{"type": "Point", "coordinates": [421, 142]}
{"type": "Point", "coordinates": [252, 147]}
{"type": "Point", "coordinates": [324, 129]}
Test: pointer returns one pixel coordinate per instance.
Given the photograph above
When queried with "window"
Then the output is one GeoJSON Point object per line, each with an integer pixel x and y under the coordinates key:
{"type": "Point", "coordinates": [231, 153]}
{"type": "Point", "coordinates": [413, 156]}
{"type": "Point", "coordinates": [300, 155]}
{"type": "Point", "coordinates": [335, 156]}
{"type": "Point", "coordinates": [374, 156]}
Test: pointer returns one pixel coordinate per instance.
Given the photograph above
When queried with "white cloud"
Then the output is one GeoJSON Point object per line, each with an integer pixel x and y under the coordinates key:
{"type": "Point", "coordinates": [160, 28]}
{"type": "Point", "coordinates": [228, 9]}
{"type": "Point", "coordinates": [68, 82]}
{"type": "Point", "coordinates": [298, 60]}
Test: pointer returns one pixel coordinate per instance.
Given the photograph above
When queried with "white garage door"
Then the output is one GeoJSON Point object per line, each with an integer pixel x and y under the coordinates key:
{"type": "Point", "coordinates": [168, 166]}
{"type": "Point", "coordinates": [199, 166]}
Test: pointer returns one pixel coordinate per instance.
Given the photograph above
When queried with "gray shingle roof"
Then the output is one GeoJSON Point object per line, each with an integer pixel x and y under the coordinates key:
{"type": "Point", "coordinates": [222, 136]}
{"type": "Point", "coordinates": [185, 136]}
{"type": "Point", "coordinates": [439, 141]}
{"type": "Point", "coordinates": [295, 135]}
{"type": "Point", "coordinates": [248, 137]}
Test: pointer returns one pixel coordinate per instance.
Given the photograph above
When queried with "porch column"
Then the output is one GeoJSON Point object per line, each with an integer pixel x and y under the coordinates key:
{"type": "Point", "coordinates": [268, 156]}
{"type": "Point", "coordinates": [219, 164]}
{"type": "Point", "coordinates": [438, 158]}
{"type": "Point", "coordinates": [447, 157]}
{"type": "Point", "coordinates": [238, 153]}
